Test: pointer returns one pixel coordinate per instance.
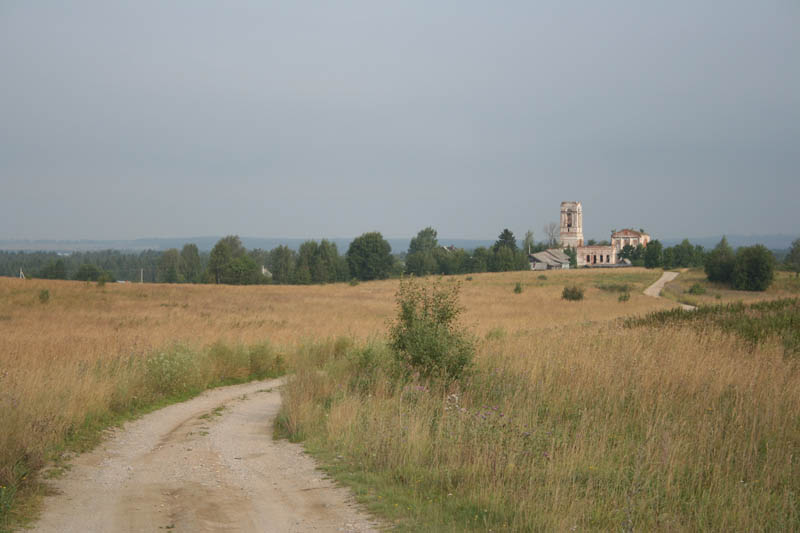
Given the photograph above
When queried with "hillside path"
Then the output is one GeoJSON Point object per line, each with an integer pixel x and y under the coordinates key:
{"type": "Point", "coordinates": [654, 290]}
{"type": "Point", "coordinates": [192, 467]}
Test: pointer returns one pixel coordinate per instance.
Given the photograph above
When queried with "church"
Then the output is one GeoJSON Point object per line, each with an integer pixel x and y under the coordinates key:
{"type": "Point", "coordinates": [595, 255]}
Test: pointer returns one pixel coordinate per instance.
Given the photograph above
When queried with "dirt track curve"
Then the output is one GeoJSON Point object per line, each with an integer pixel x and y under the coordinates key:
{"type": "Point", "coordinates": [654, 290]}
{"type": "Point", "coordinates": [192, 467]}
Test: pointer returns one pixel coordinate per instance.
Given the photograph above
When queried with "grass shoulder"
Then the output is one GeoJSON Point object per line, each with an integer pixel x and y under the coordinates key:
{"type": "Point", "coordinates": [141, 390]}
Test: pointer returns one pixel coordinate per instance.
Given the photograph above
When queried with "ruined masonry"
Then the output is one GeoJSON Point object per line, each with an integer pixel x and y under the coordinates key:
{"type": "Point", "coordinates": [595, 255]}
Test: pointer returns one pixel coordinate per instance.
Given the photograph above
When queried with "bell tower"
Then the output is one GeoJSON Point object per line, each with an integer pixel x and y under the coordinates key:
{"type": "Point", "coordinates": [571, 224]}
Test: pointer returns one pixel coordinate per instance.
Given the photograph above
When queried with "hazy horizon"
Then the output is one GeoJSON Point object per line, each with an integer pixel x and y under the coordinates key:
{"type": "Point", "coordinates": [151, 119]}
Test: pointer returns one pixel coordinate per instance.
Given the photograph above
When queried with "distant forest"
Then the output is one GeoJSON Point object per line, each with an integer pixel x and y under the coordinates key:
{"type": "Point", "coordinates": [368, 256]}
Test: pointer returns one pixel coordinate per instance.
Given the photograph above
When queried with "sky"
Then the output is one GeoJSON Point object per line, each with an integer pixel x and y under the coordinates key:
{"type": "Point", "coordinates": [121, 120]}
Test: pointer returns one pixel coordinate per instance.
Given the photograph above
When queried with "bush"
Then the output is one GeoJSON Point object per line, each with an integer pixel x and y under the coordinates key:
{"type": "Point", "coordinates": [542, 277]}
{"type": "Point", "coordinates": [426, 338]}
{"type": "Point", "coordinates": [172, 372]}
{"type": "Point", "coordinates": [518, 288]}
{"type": "Point", "coordinates": [624, 297]}
{"type": "Point", "coordinates": [44, 296]}
{"type": "Point", "coordinates": [573, 293]}
{"type": "Point", "coordinates": [753, 269]}
{"type": "Point", "coordinates": [697, 289]}
{"type": "Point", "coordinates": [264, 362]}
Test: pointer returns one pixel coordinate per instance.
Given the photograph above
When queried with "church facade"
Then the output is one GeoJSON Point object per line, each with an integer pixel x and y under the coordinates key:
{"type": "Point", "coordinates": [604, 255]}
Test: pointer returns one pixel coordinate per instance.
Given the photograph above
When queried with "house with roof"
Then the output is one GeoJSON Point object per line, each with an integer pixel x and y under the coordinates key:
{"type": "Point", "coordinates": [553, 259]}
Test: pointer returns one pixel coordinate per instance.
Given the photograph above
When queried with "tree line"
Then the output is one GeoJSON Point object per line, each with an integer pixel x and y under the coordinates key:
{"type": "Point", "coordinates": [368, 257]}
{"type": "Point", "coordinates": [747, 268]}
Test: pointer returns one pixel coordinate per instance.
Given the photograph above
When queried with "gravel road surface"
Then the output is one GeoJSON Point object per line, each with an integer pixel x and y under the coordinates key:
{"type": "Point", "coordinates": [208, 464]}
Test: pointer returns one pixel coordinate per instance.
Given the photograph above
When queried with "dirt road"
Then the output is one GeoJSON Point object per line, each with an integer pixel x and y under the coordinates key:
{"type": "Point", "coordinates": [654, 290]}
{"type": "Point", "coordinates": [208, 464]}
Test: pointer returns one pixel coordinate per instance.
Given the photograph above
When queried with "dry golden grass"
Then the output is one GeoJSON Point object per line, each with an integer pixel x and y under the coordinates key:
{"type": "Point", "coordinates": [604, 429]}
{"type": "Point", "coordinates": [84, 352]}
{"type": "Point", "coordinates": [85, 322]}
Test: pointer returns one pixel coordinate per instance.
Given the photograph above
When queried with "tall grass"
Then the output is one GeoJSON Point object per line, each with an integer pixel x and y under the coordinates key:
{"type": "Point", "coordinates": [91, 354]}
{"type": "Point", "coordinates": [662, 428]}
{"type": "Point", "coordinates": [47, 408]}
{"type": "Point", "coordinates": [755, 322]}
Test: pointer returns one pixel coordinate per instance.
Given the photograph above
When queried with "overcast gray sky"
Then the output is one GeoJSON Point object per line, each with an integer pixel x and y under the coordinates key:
{"type": "Point", "coordinates": [323, 119]}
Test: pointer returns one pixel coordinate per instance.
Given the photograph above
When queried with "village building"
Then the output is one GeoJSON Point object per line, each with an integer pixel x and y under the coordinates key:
{"type": "Point", "coordinates": [553, 259]}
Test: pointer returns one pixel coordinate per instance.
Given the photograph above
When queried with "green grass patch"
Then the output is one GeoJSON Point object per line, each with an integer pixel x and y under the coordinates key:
{"type": "Point", "coordinates": [614, 287]}
{"type": "Point", "coordinates": [755, 322]}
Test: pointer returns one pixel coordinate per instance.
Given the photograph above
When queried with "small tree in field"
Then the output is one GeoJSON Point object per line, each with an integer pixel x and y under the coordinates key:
{"type": "Point", "coordinates": [426, 337]}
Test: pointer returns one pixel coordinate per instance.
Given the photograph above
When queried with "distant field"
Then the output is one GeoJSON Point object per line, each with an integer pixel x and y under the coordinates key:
{"type": "Point", "coordinates": [85, 322]}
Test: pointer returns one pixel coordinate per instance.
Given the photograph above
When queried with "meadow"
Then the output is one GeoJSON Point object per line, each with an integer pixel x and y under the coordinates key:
{"type": "Point", "coordinates": [785, 285]}
{"type": "Point", "coordinates": [570, 419]}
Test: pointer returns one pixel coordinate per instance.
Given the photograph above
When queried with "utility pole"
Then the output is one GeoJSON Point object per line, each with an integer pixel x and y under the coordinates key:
{"type": "Point", "coordinates": [141, 275]}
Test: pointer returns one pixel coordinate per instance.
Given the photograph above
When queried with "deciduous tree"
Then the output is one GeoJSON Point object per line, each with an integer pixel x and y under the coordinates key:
{"type": "Point", "coordinates": [652, 254]}
{"type": "Point", "coordinates": [753, 269]}
{"type": "Point", "coordinates": [553, 233]}
{"type": "Point", "coordinates": [370, 257]}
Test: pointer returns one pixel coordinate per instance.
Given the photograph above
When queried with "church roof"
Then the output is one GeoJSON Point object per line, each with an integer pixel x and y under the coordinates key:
{"type": "Point", "coordinates": [627, 233]}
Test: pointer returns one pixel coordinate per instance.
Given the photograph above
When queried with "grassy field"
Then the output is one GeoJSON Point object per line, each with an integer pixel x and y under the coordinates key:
{"type": "Point", "coordinates": [603, 426]}
{"type": "Point", "coordinates": [786, 285]}
{"type": "Point", "coordinates": [651, 428]}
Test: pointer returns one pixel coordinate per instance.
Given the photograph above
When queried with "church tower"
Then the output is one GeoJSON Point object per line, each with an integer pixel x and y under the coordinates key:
{"type": "Point", "coordinates": [571, 224]}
